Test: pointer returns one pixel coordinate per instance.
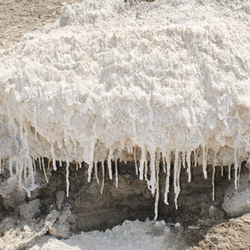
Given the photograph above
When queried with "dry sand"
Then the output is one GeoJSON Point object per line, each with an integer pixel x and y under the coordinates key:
{"type": "Point", "coordinates": [18, 17]}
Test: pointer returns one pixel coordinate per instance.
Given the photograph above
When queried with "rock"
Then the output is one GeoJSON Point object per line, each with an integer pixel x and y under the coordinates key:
{"type": "Point", "coordinates": [59, 199]}
{"type": "Point", "coordinates": [61, 228]}
{"type": "Point", "coordinates": [237, 202]}
{"type": "Point", "coordinates": [30, 209]}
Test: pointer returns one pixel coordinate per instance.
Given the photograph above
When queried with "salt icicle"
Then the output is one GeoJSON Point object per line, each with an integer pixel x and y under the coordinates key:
{"type": "Point", "coordinates": [90, 171]}
{"type": "Point", "coordinates": [31, 170]}
{"type": "Point", "coordinates": [189, 165]}
{"type": "Point", "coordinates": [142, 162]}
{"type": "Point", "coordinates": [44, 171]}
{"type": "Point", "coordinates": [20, 172]}
{"type": "Point", "coordinates": [235, 169]}
{"type": "Point", "coordinates": [10, 166]}
{"type": "Point", "coordinates": [183, 154]}
{"type": "Point", "coordinates": [213, 182]}
{"type": "Point", "coordinates": [24, 170]}
{"type": "Point", "coordinates": [164, 161]}
{"type": "Point", "coordinates": [103, 175]}
{"type": "Point", "coordinates": [229, 172]}
{"type": "Point", "coordinates": [67, 178]}
{"type": "Point", "coordinates": [135, 160]}
{"type": "Point", "coordinates": [96, 174]}
{"type": "Point", "coordinates": [116, 174]}
{"type": "Point", "coordinates": [204, 162]}
{"type": "Point", "coordinates": [146, 170]}
{"type": "Point", "coordinates": [195, 157]}
{"type": "Point", "coordinates": [110, 163]}
{"type": "Point", "coordinates": [167, 178]}
{"type": "Point", "coordinates": [34, 164]}
{"type": "Point", "coordinates": [152, 171]}
{"type": "Point", "coordinates": [39, 161]}
{"type": "Point", "coordinates": [177, 167]}
{"type": "Point", "coordinates": [0, 166]}
{"type": "Point", "coordinates": [3, 166]}
{"type": "Point", "coordinates": [53, 157]}
{"type": "Point", "coordinates": [222, 170]}
{"type": "Point", "coordinates": [77, 164]}
{"type": "Point", "coordinates": [157, 184]}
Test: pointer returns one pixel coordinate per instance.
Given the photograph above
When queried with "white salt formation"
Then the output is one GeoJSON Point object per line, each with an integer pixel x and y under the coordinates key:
{"type": "Point", "coordinates": [166, 82]}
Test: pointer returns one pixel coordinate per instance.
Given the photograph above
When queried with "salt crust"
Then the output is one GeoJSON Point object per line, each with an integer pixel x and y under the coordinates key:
{"type": "Point", "coordinates": [164, 82]}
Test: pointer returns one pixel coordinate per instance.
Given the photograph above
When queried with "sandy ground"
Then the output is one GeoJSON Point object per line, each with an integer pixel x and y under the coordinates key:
{"type": "Point", "coordinates": [18, 17]}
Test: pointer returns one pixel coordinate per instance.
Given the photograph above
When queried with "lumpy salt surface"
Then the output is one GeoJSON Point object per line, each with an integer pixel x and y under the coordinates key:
{"type": "Point", "coordinates": [165, 83]}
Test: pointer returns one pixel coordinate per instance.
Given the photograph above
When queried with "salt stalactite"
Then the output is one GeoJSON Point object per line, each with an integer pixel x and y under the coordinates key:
{"type": "Point", "coordinates": [189, 165]}
{"type": "Point", "coordinates": [235, 168]}
{"type": "Point", "coordinates": [213, 183]}
{"type": "Point", "coordinates": [96, 172]}
{"type": "Point", "coordinates": [0, 166]}
{"type": "Point", "coordinates": [3, 165]}
{"type": "Point", "coordinates": [67, 178]}
{"type": "Point", "coordinates": [204, 161]}
{"type": "Point", "coordinates": [77, 164]}
{"type": "Point", "coordinates": [53, 156]}
{"type": "Point", "coordinates": [229, 172]}
{"type": "Point", "coordinates": [90, 171]}
{"type": "Point", "coordinates": [142, 161]}
{"type": "Point", "coordinates": [20, 172]}
{"type": "Point", "coordinates": [23, 162]}
{"type": "Point", "coordinates": [103, 176]}
{"type": "Point", "coordinates": [195, 158]}
{"type": "Point", "coordinates": [164, 161]}
{"type": "Point", "coordinates": [39, 162]}
{"type": "Point", "coordinates": [110, 163]}
{"type": "Point", "coordinates": [10, 166]}
{"type": "Point", "coordinates": [146, 171]}
{"type": "Point", "coordinates": [183, 155]}
{"type": "Point", "coordinates": [222, 171]}
{"type": "Point", "coordinates": [157, 183]}
{"type": "Point", "coordinates": [31, 170]}
{"type": "Point", "coordinates": [177, 169]}
{"type": "Point", "coordinates": [34, 165]}
{"type": "Point", "coordinates": [44, 171]}
{"type": "Point", "coordinates": [135, 160]}
{"type": "Point", "coordinates": [167, 177]}
{"type": "Point", "coordinates": [61, 163]}
{"type": "Point", "coordinates": [152, 182]}
{"type": "Point", "coordinates": [116, 173]}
